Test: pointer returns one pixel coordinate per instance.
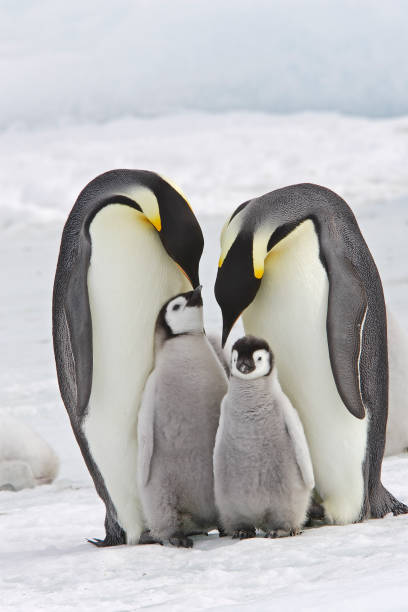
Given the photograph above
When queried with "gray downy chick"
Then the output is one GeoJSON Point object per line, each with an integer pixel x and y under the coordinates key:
{"type": "Point", "coordinates": [178, 423]}
{"type": "Point", "coordinates": [262, 468]}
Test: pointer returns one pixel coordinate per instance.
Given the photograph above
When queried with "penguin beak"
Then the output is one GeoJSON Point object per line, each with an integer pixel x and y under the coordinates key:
{"type": "Point", "coordinates": [227, 324]}
{"type": "Point", "coordinates": [195, 298]}
{"type": "Point", "coordinates": [245, 365]}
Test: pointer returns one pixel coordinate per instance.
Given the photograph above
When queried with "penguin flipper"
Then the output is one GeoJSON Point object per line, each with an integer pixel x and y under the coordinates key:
{"type": "Point", "coordinates": [146, 431]}
{"type": "Point", "coordinates": [346, 313]}
{"type": "Point", "coordinates": [78, 319]}
{"type": "Point", "coordinates": [296, 433]}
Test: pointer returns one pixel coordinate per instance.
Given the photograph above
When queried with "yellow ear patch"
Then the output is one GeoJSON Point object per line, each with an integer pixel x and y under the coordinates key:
{"type": "Point", "coordinates": [229, 234]}
{"type": "Point", "coordinates": [259, 271]}
{"type": "Point", "coordinates": [148, 203]}
{"type": "Point", "coordinates": [259, 250]}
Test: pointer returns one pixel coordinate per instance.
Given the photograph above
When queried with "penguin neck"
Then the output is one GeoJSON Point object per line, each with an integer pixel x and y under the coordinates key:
{"type": "Point", "coordinates": [161, 337]}
{"type": "Point", "coordinates": [250, 399]}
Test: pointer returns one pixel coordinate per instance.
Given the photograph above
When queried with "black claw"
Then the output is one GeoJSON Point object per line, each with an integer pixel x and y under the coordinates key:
{"type": "Point", "coordinates": [221, 532]}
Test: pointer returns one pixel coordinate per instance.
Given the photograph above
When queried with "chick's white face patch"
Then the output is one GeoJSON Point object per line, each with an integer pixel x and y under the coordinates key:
{"type": "Point", "coordinates": [182, 318]}
{"type": "Point", "coordinates": [262, 362]}
{"type": "Point", "coordinates": [262, 365]}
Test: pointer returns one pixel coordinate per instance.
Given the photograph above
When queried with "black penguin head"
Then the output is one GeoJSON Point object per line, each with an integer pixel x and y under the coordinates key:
{"type": "Point", "coordinates": [236, 285]}
{"type": "Point", "coordinates": [180, 231]}
{"type": "Point", "coordinates": [182, 314]}
{"type": "Point", "coordinates": [161, 203]}
{"type": "Point", "coordinates": [246, 241]}
{"type": "Point", "coordinates": [251, 358]}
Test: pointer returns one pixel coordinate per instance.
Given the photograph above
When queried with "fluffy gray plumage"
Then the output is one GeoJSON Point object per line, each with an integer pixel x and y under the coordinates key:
{"type": "Point", "coordinates": [262, 467]}
{"type": "Point", "coordinates": [178, 422]}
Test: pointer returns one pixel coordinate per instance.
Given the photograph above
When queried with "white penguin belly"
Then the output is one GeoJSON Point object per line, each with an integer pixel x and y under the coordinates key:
{"type": "Point", "coordinates": [290, 312]}
{"type": "Point", "coordinates": [130, 277]}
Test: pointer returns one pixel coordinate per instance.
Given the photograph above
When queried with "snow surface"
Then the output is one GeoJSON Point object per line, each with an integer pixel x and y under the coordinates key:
{"type": "Point", "coordinates": [26, 460]}
{"type": "Point", "coordinates": [219, 161]}
{"type": "Point", "coordinates": [99, 59]}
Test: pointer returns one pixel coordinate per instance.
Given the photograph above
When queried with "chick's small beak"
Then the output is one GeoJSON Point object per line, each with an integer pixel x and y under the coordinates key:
{"type": "Point", "coordinates": [195, 298]}
{"type": "Point", "coordinates": [245, 365]}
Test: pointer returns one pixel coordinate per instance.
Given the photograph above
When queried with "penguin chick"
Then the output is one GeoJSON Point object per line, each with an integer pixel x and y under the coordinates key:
{"type": "Point", "coordinates": [178, 423]}
{"type": "Point", "coordinates": [263, 473]}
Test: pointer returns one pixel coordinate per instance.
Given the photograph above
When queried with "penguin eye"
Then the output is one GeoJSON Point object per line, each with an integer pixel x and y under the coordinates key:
{"type": "Point", "coordinates": [176, 307]}
{"type": "Point", "coordinates": [259, 358]}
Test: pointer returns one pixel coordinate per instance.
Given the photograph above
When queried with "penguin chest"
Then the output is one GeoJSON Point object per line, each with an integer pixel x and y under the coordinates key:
{"type": "Point", "coordinates": [290, 312]}
{"type": "Point", "coordinates": [130, 276]}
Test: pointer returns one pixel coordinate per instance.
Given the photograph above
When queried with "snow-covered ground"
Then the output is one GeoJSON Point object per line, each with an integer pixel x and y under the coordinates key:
{"type": "Point", "coordinates": [219, 161]}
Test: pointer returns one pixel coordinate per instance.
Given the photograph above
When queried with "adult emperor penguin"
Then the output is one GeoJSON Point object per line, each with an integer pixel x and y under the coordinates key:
{"type": "Point", "coordinates": [178, 423]}
{"type": "Point", "coordinates": [295, 264]}
{"type": "Point", "coordinates": [263, 473]}
{"type": "Point", "coordinates": [130, 242]}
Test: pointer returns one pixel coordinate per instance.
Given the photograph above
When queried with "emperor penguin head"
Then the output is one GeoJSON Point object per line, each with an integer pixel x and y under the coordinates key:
{"type": "Point", "coordinates": [251, 358]}
{"type": "Point", "coordinates": [161, 203]}
{"type": "Point", "coordinates": [180, 231]}
{"type": "Point", "coordinates": [182, 314]}
{"type": "Point", "coordinates": [246, 240]}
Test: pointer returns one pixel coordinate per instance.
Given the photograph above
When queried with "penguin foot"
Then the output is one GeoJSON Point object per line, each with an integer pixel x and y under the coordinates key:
{"type": "Point", "coordinates": [296, 531]}
{"type": "Point", "coordinates": [147, 538]}
{"type": "Point", "coordinates": [181, 541]}
{"type": "Point", "coordinates": [315, 511]}
{"type": "Point", "coordinates": [221, 532]}
{"type": "Point", "coordinates": [244, 534]}
{"type": "Point", "coordinates": [399, 508]}
{"type": "Point", "coordinates": [315, 514]}
{"type": "Point", "coordinates": [283, 533]}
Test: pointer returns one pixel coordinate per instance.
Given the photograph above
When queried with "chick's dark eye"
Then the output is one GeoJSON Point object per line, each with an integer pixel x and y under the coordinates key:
{"type": "Point", "coordinates": [176, 307]}
{"type": "Point", "coordinates": [259, 359]}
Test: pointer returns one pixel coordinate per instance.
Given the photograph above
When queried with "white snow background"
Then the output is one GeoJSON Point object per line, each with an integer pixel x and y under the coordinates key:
{"type": "Point", "coordinates": [96, 60]}
{"type": "Point", "coordinates": [68, 96]}
{"type": "Point", "coordinates": [219, 161]}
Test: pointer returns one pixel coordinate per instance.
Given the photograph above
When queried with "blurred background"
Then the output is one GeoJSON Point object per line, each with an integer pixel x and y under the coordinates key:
{"type": "Point", "coordinates": [98, 60]}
